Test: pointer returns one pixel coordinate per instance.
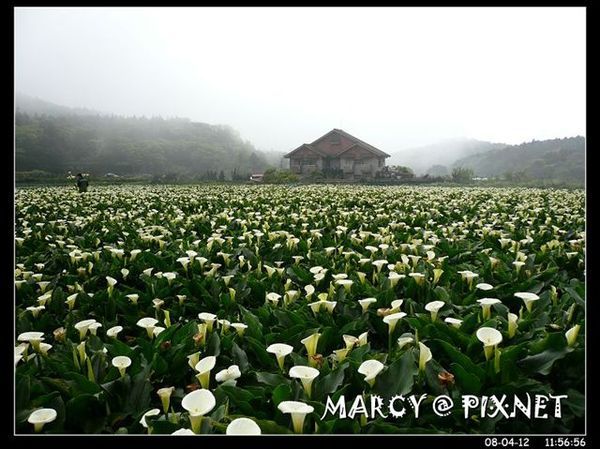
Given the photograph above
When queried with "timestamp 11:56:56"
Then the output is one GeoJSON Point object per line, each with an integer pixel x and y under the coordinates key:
{"type": "Point", "coordinates": [537, 442]}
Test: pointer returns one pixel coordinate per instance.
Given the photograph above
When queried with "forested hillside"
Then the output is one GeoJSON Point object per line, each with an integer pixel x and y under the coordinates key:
{"type": "Point", "coordinates": [57, 142]}
{"type": "Point", "coordinates": [436, 159]}
{"type": "Point", "coordinates": [556, 159]}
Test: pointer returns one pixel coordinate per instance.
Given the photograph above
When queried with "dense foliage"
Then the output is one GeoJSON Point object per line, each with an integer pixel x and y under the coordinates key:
{"type": "Point", "coordinates": [462, 175]}
{"type": "Point", "coordinates": [121, 283]}
{"type": "Point", "coordinates": [129, 146]}
{"type": "Point", "coordinates": [561, 160]}
{"type": "Point", "coordinates": [274, 176]}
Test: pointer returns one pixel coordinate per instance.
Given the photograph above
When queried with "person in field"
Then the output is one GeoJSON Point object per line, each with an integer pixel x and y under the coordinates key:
{"type": "Point", "coordinates": [82, 183]}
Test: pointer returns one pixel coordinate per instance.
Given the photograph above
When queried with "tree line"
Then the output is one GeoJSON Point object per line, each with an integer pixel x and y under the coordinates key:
{"type": "Point", "coordinates": [133, 146]}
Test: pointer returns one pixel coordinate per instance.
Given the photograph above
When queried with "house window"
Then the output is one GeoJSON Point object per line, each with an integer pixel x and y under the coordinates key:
{"type": "Point", "coordinates": [334, 139]}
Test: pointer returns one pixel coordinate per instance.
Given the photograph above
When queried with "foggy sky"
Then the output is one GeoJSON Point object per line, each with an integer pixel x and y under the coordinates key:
{"type": "Point", "coordinates": [394, 77]}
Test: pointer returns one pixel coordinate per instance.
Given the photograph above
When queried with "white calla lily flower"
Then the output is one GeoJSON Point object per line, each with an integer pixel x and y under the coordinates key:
{"type": "Point", "coordinates": [114, 331]}
{"type": "Point", "coordinates": [193, 359]}
{"type": "Point", "coordinates": [453, 321]}
{"type": "Point", "coordinates": [486, 304]}
{"type": "Point", "coordinates": [165, 397]}
{"type": "Point", "coordinates": [403, 341]}
{"type": "Point", "coordinates": [273, 298]}
{"type": "Point", "coordinates": [70, 301]}
{"type": "Point", "coordinates": [310, 343]}
{"type": "Point", "coordinates": [340, 354]}
{"type": "Point", "coordinates": [362, 338]}
{"type": "Point", "coordinates": [240, 328]}
{"type": "Point", "coordinates": [183, 432]}
{"type": "Point", "coordinates": [121, 362]}
{"type": "Point", "coordinates": [111, 284]}
{"type": "Point", "coordinates": [298, 411]}
{"type": "Point", "coordinates": [209, 319]}
{"type": "Point", "coordinates": [232, 373]}
{"type": "Point", "coordinates": [306, 374]}
{"type": "Point", "coordinates": [572, 334]}
{"type": "Point", "coordinates": [350, 341]}
{"type": "Point", "coordinates": [392, 319]}
{"type": "Point", "coordinates": [528, 298]}
{"type": "Point", "coordinates": [365, 303]}
{"type": "Point", "coordinates": [310, 290]}
{"type": "Point", "coordinates": [370, 369]}
{"type": "Point", "coordinates": [512, 324]}
{"type": "Point", "coordinates": [83, 327]}
{"type": "Point", "coordinates": [40, 417]}
{"type": "Point", "coordinates": [280, 350]}
{"type": "Point", "coordinates": [204, 367]}
{"type": "Point", "coordinates": [424, 356]}
{"type": "Point", "coordinates": [35, 310]}
{"type": "Point", "coordinates": [395, 305]}
{"type": "Point", "coordinates": [242, 426]}
{"type": "Point", "coordinates": [149, 324]}
{"type": "Point", "coordinates": [433, 307]}
{"type": "Point", "coordinates": [44, 348]}
{"type": "Point", "coordinates": [133, 297]}
{"type": "Point", "coordinates": [346, 283]}
{"type": "Point", "coordinates": [490, 338]}
{"type": "Point", "coordinates": [198, 403]}
{"type": "Point", "coordinates": [151, 412]}
{"type": "Point", "coordinates": [93, 328]}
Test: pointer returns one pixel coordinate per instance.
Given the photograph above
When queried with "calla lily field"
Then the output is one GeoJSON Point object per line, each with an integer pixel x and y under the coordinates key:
{"type": "Point", "coordinates": [246, 310]}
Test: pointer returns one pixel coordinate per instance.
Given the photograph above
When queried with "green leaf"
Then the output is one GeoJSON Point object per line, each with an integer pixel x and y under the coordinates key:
{"type": "Point", "coordinates": [575, 401]}
{"type": "Point", "coordinates": [576, 297]}
{"type": "Point", "coordinates": [441, 294]}
{"type": "Point", "coordinates": [468, 383]}
{"type": "Point", "coordinates": [359, 353]}
{"type": "Point", "coordinates": [82, 384]}
{"type": "Point", "coordinates": [141, 389]}
{"type": "Point", "coordinates": [161, 427]}
{"type": "Point", "coordinates": [258, 349]}
{"type": "Point", "coordinates": [458, 357]}
{"type": "Point", "coordinates": [22, 391]}
{"type": "Point", "coordinates": [116, 348]}
{"type": "Point", "coordinates": [255, 329]}
{"type": "Point", "coordinates": [213, 346]}
{"type": "Point", "coordinates": [299, 275]}
{"type": "Point", "coordinates": [240, 357]}
{"type": "Point", "coordinates": [61, 385]}
{"type": "Point", "coordinates": [85, 414]}
{"type": "Point", "coordinates": [237, 394]}
{"type": "Point", "coordinates": [271, 427]}
{"type": "Point", "coordinates": [398, 378]}
{"type": "Point", "coordinates": [219, 413]}
{"type": "Point", "coordinates": [281, 393]}
{"type": "Point", "coordinates": [331, 382]}
{"type": "Point", "coordinates": [272, 379]}
{"type": "Point", "coordinates": [542, 363]}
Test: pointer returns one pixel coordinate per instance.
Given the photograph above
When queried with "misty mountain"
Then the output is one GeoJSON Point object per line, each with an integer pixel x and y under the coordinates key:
{"type": "Point", "coordinates": [442, 154]}
{"type": "Point", "coordinates": [27, 104]}
{"type": "Point", "coordinates": [56, 139]}
{"type": "Point", "coordinates": [556, 159]}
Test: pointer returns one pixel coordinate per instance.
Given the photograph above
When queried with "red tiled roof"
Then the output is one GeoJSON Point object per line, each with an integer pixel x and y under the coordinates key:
{"type": "Point", "coordinates": [353, 141]}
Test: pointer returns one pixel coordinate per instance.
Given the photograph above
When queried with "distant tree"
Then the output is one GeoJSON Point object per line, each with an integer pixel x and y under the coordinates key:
{"type": "Point", "coordinates": [127, 145]}
{"type": "Point", "coordinates": [403, 171]}
{"type": "Point", "coordinates": [274, 176]}
{"type": "Point", "coordinates": [462, 175]}
{"type": "Point", "coordinates": [438, 170]}
{"type": "Point", "coordinates": [222, 176]}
